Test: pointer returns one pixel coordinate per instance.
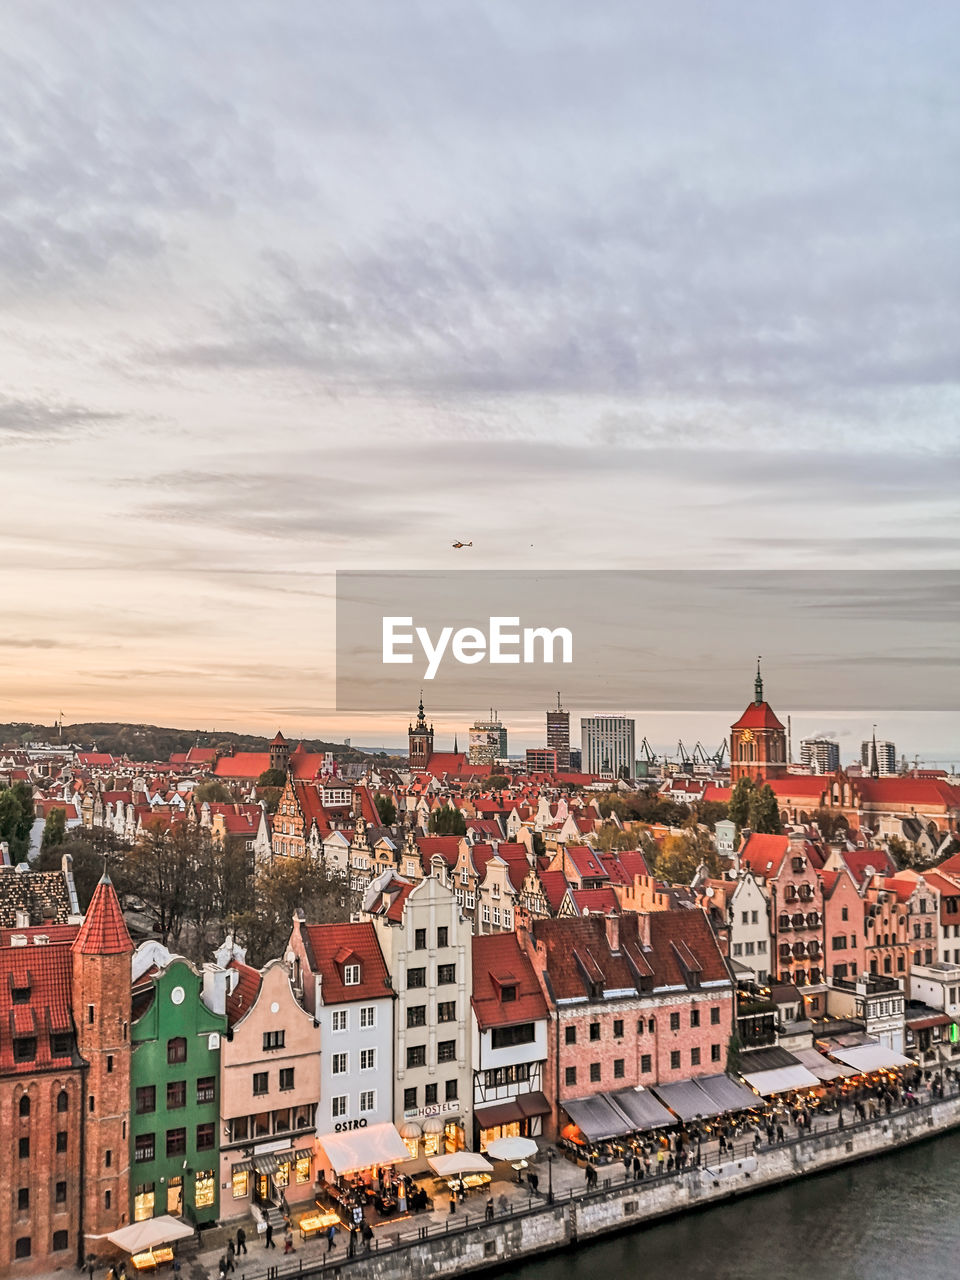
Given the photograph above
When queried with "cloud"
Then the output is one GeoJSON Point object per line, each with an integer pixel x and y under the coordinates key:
{"type": "Point", "coordinates": [41, 420]}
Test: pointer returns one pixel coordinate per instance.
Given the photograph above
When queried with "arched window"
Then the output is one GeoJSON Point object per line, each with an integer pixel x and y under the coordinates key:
{"type": "Point", "coordinates": [24, 1105]}
{"type": "Point", "coordinates": [63, 1101]}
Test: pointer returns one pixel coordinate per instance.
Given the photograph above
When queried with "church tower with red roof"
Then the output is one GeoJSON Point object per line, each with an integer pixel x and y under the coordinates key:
{"type": "Point", "coordinates": [758, 741]}
{"type": "Point", "coordinates": [420, 739]}
{"type": "Point", "coordinates": [101, 1012]}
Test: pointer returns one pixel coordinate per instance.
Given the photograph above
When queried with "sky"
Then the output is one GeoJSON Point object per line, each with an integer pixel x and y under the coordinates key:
{"type": "Point", "coordinates": [286, 289]}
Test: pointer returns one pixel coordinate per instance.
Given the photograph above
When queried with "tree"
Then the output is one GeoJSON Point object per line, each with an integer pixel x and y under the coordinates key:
{"type": "Point", "coordinates": [447, 821]}
{"type": "Point", "coordinates": [16, 819]}
{"type": "Point", "coordinates": [280, 889]}
{"type": "Point", "coordinates": [733, 1055]}
{"type": "Point", "coordinates": [272, 778]}
{"type": "Point", "coordinates": [539, 848]}
{"type": "Point", "coordinates": [738, 808]}
{"type": "Point", "coordinates": [677, 859]}
{"type": "Point", "coordinates": [832, 825]}
{"type": "Point", "coordinates": [765, 812]}
{"type": "Point", "coordinates": [611, 837]}
{"type": "Point", "coordinates": [161, 870]}
{"type": "Point", "coordinates": [54, 829]}
{"type": "Point", "coordinates": [497, 782]}
{"type": "Point", "coordinates": [386, 809]}
{"type": "Point", "coordinates": [710, 812]}
{"type": "Point", "coordinates": [87, 863]}
{"type": "Point", "coordinates": [213, 791]}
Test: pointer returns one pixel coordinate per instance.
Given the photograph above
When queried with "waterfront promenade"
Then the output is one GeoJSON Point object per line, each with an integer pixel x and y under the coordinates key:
{"type": "Point", "coordinates": [618, 1200]}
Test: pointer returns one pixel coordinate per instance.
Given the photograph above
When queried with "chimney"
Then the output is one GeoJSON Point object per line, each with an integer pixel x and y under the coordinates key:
{"type": "Point", "coordinates": [613, 931]}
{"type": "Point", "coordinates": [215, 988]}
{"type": "Point", "coordinates": [643, 928]}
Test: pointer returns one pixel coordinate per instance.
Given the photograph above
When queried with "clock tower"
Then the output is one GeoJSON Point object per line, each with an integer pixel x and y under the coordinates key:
{"type": "Point", "coordinates": [420, 739]}
{"type": "Point", "coordinates": [758, 741]}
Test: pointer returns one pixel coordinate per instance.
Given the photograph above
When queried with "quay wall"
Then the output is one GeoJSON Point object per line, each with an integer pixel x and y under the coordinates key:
{"type": "Point", "coordinates": [617, 1205]}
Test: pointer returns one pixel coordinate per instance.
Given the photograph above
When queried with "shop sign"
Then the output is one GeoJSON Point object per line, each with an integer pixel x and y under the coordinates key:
{"type": "Point", "coordinates": [346, 1125]}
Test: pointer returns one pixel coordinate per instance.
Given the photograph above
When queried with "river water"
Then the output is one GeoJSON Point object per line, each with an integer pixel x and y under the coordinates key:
{"type": "Point", "coordinates": [894, 1218]}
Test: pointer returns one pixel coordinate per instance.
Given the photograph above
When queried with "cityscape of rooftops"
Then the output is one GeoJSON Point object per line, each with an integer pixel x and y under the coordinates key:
{"type": "Point", "coordinates": [479, 767]}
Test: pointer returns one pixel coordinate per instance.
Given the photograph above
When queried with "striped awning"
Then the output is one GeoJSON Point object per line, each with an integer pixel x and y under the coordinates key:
{"type": "Point", "coordinates": [304, 1153]}
{"type": "Point", "coordinates": [266, 1164]}
{"type": "Point", "coordinates": [245, 1166]}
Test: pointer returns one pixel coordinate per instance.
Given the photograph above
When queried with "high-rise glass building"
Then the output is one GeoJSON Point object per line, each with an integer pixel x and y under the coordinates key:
{"type": "Point", "coordinates": [558, 734]}
{"type": "Point", "coordinates": [608, 744]}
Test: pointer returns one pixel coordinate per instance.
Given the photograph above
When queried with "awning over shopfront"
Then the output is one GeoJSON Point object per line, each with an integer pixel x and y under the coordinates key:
{"type": "Point", "coordinates": [361, 1148]}
{"type": "Point", "coordinates": [533, 1104]}
{"type": "Point", "coordinates": [865, 1058]}
{"type": "Point", "coordinates": [150, 1233]}
{"type": "Point", "coordinates": [822, 1067]}
{"type": "Point", "coordinates": [687, 1100]}
{"type": "Point", "coordinates": [597, 1118]}
{"type": "Point", "coordinates": [642, 1109]}
{"type": "Point", "coordinates": [726, 1093]}
{"type": "Point", "coordinates": [266, 1163]}
{"type": "Point", "coordinates": [782, 1080]}
{"type": "Point", "coordinates": [498, 1113]}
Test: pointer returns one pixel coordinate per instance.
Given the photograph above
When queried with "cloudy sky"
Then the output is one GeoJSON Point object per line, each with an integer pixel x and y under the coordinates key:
{"type": "Point", "coordinates": [292, 288]}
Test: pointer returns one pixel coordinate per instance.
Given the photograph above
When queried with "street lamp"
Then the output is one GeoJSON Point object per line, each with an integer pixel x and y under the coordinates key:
{"type": "Point", "coordinates": [551, 1156]}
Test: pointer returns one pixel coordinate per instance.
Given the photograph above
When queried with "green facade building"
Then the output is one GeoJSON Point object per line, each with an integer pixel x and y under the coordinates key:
{"type": "Point", "coordinates": [175, 1087]}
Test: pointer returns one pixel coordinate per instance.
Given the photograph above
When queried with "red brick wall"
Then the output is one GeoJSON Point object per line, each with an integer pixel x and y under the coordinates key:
{"type": "Point", "coordinates": [39, 1172]}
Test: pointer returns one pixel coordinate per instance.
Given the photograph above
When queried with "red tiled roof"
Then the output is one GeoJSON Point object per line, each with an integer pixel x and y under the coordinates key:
{"type": "Point", "coordinates": [500, 956]}
{"type": "Point", "coordinates": [554, 887]}
{"type": "Point", "coordinates": [323, 943]}
{"type": "Point", "coordinates": [47, 972]}
{"type": "Point", "coordinates": [758, 716]}
{"type": "Point", "coordinates": [103, 932]}
{"type": "Point", "coordinates": [586, 861]}
{"type": "Point", "coordinates": [859, 860]}
{"type": "Point", "coordinates": [448, 848]}
{"type": "Point", "coordinates": [762, 854]}
{"type": "Point", "coordinates": [244, 995]}
{"type": "Point", "coordinates": [595, 901]}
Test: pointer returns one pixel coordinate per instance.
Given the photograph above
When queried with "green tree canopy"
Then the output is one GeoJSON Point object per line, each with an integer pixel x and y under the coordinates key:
{"type": "Point", "coordinates": [765, 812]}
{"type": "Point", "coordinates": [497, 782]}
{"type": "Point", "coordinates": [272, 778]}
{"type": "Point", "coordinates": [386, 809]}
{"type": "Point", "coordinates": [279, 890]}
{"type": "Point", "coordinates": [738, 809]}
{"type": "Point", "coordinates": [447, 821]}
{"type": "Point", "coordinates": [16, 819]}
{"type": "Point", "coordinates": [54, 829]}
{"type": "Point", "coordinates": [214, 791]}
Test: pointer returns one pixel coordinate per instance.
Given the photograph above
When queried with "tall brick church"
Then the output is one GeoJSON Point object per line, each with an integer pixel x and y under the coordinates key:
{"type": "Point", "coordinates": [758, 741]}
{"type": "Point", "coordinates": [64, 1085]}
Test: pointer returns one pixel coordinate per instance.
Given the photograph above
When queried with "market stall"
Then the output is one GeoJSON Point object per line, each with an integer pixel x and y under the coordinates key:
{"type": "Point", "coordinates": [148, 1242]}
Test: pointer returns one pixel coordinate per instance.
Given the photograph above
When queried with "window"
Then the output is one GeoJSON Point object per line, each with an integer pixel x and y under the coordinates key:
{"type": "Point", "coordinates": [618, 1068]}
{"type": "Point", "coordinates": [90, 1104]}
{"type": "Point", "coordinates": [368, 1016]}
{"type": "Point", "coordinates": [145, 1099]}
{"type": "Point", "coordinates": [206, 1089]}
{"type": "Point", "coordinates": [273, 1039]}
{"type": "Point", "coordinates": [646, 1064]}
{"type": "Point", "coordinates": [351, 975]}
{"type": "Point", "coordinates": [694, 1057]}
{"type": "Point", "coordinates": [844, 913]}
{"type": "Point", "coordinates": [339, 1021]}
{"type": "Point", "coordinates": [570, 1035]}
{"type": "Point", "coordinates": [416, 977]}
{"type": "Point", "coordinates": [694, 1017]}
{"type": "Point", "coordinates": [430, 1095]}
{"type": "Point", "coordinates": [261, 1081]}
{"type": "Point", "coordinates": [286, 1078]}
{"type": "Point", "coordinates": [24, 1148]}
{"type": "Point", "coordinates": [409, 1099]}
{"type": "Point", "coordinates": [176, 1142]}
{"type": "Point", "coordinates": [61, 1241]}
{"type": "Point", "coordinates": [714, 1053]}
{"type": "Point", "coordinates": [675, 1060]}
{"type": "Point", "coordinates": [109, 1063]}
{"type": "Point", "coordinates": [508, 1037]}
{"type": "Point", "coordinates": [594, 1071]}
{"type": "Point", "coordinates": [176, 1094]}
{"type": "Point", "coordinates": [447, 1051]}
{"type": "Point", "coordinates": [61, 1193]}
{"type": "Point", "coordinates": [450, 1091]}
{"type": "Point", "coordinates": [447, 1011]}
{"type": "Point", "coordinates": [338, 1064]}
{"type": "Point", "coordinates": [143, 1147]}
{"type": "Point", "coordinates": [338, 1106]}
{"type": "Point", "coordinates": [419, 939]}
{"type": "Point", "coordinates": [715, 1017]}
{"type": "Point", "coordinates": [416, 1055]}
{"type": "Point", "coordinates": [754, 917]}
{"type": "Point", "coordinates": [594, 1030]}
{"type": "Point", "coordinates": [674, 1022]}
{"type": "Point", "coordinates": [618, 1028]}
{"type": "Point", "coordinates": [24, 1105]}
{"type": "Point", "coordinates": [416, 1015]}
{"type": "Point", "coordinates": [368, 1059]}
{"type": "Point", "coordinates": [22, 1249]}
{"type": "Point", "coordinates": [25, 1048]}
{"type": "Point", "coordinates": [446, 973]}
{"type": "Point", "coordinates": [570, 1076]}
{"type": "Point", "coordinates": [61, 1044]}
{"type": "Point", "coordinates": [205, 1137]}
{"type": "Point", "coordinates": [177, 1050]}
{"type": "Point", "coordinates": [90, 1014]}
{"type": "Point", "coordinates": [738, 948]}
{"type": "Point", "coordinates": [62, 1140]}
{"type": "Point", "coordinates": [108, 1158]}
{"type": "Point", "coordinates": [368, 1101]}
{"type": "Point", "coordinates": [443, 937]}
{"type": "Point", "coordinates": [23, 1198]}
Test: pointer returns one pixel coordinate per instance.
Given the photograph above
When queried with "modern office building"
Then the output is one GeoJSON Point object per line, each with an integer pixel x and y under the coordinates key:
{"type": "Point", "coordinates": [822, 755]}
{"type": "Point", "coordinates": [558, 734]}
{"type": "Point", "coordinates": [886, 756]}
{"type": "Point", "coordinates": [608, 745]}
{"type": "Point", "coordinates": [488, 740]}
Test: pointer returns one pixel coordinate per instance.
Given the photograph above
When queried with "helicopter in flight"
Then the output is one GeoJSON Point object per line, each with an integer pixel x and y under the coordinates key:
{"type": "Point", "coordinates": [458, 545]}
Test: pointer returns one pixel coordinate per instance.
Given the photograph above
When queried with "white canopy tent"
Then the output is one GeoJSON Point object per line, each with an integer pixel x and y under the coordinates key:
{"type": "Point", "coordinates": [140, 1236]}
{"type": "Point", "coordinates": [361, 1148]}
{"type": "Point", "coordinates": [822, 1067]}
{"type": "Point", "coordinates": [459, 1162]}
{"type": "Point", "coordinates": [874, 1056]}
{"type": "Point", "coordinates": [782, 1080]}
{"type": "Point", "coordinates": [512, 1148]}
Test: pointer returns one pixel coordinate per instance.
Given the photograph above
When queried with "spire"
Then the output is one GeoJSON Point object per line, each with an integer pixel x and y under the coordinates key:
{"type": "Point", "coordinates": [874, 763]}
{"type": "Point", "coordinates": [456, 749]}
{"type": "Point", "coordinates": [104, 931]}
{"type": "Point", "coordinates": [758, 685]}
{"type": "Point", "coordinates": [421, 717]}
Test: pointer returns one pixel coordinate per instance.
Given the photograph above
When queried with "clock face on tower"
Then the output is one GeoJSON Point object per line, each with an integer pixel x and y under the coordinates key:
{"type": "Point", "coordinates": [747, 735]}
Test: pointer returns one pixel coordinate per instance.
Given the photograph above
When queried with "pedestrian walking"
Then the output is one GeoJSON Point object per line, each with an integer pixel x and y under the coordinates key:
{"type": "Point", "coordinates": [231, 1255]}
{"type": "Point", "coordinates": [223, 1266]}
{"type": "Point", "coordinates": [367, 1232]}
{"type": "Point", "coordinates": [288, 1242]}
{"type": "Point", "coordinates": [268, 1237]}
{"type": "Point", "coordinates": [489, 1210]}
{"type": "Point", "coordinates": [331, 1237]}
{"type": "Point", "coordinates": [660, 1161]}
{"type": "Point", "coordinates": [91, 1265]}
{"type": "Point", "coordinates": [780, 1135]}
{"type": "Point", "coordinates": [352, 1249]}
{"type": "Point", "coordinates": [241, 1240]}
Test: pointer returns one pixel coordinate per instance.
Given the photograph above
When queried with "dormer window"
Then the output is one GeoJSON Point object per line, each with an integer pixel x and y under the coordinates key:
{"type": "Point", "coordinates": [508, 993]}
{"type": "Point", "coordinates": [351, 975]}
{"type": "Point", "coordinates": [21, 995]}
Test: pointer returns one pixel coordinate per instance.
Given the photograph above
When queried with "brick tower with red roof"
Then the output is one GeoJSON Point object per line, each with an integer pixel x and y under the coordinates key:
{"type": "Point", "coordinates": [758, 741]}
{"type": "Point", "coordinates": [420, 739]}
{"type": "Point", "coordinates": [101, 1011]}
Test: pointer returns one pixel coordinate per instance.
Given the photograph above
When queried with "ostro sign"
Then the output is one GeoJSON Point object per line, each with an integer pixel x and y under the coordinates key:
{"type": "Point", "coordinates": [345, 1125]}
{"type": "Point", "coordinates": [504, 642]}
